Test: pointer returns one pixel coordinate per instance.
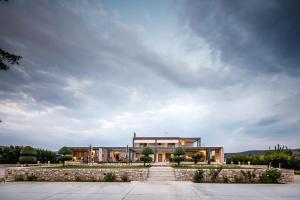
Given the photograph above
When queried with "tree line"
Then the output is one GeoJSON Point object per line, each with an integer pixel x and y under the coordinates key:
{"type": "Point", "coordinates": [27, 154]}
{"type": "Point", "coordinates": [280, 156]}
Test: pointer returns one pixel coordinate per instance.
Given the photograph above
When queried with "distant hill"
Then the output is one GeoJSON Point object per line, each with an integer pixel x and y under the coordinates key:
{"type": "Point", "coordinates": [256, 153]}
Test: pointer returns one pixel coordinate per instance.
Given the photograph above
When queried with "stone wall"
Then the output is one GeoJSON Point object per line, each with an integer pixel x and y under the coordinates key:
{"type": "Point", "coordinates": [55, 174]}
{"type": "Point", "coordinates": [231, 174]}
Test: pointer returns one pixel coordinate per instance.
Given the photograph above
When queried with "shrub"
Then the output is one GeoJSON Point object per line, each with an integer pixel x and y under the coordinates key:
{"type": "Point", "coordinates": [147, 151]}
{"type": "Point", "coordinates": [31, 178]}
{"type": "Point", "coordinates": [238, 179]}
{"type": "Point", "coordinates": [178, 159]}
{"type": "Point", "coordinates": [197, 157]}
{"type": "Point", "coordinates": [27, 159]}
{"type": "Point", "coordinates": [270, 176]}
{"type": "Point", "coordinates": [179, 151]}
{"type": "Point", "coordinates": [198, 176]}
{"type": "Point", "coordinates": [64, 154]}
{"type": "Point", "coordinates": [19, 177]}
{"type": "Point", "coordinates": [124, 177]}
{"type": "Point", "coordinates": [146, 159]}
{"type": "Point", "coordinates": [28, 155]}
{"type": "Point", "coordinates": [78, 178]}
{"type": "Point", "coordinates": [178, 155]}
{"type": "Point", "coordinates": [110, 177]}
{"type": "Point", "coordinates": [249, 175]}
{"type": "Point", "coordinates": [214, 173]}
{"type": "Point", "coordinates": [226, 179]}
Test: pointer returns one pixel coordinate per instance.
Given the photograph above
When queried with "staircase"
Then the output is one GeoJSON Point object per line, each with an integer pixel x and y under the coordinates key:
{"type": "Point", "coordinates": [161, 174]}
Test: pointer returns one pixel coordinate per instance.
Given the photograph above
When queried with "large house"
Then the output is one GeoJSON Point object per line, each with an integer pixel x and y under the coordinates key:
{"type": "Point", "coordinates": [163, 148]}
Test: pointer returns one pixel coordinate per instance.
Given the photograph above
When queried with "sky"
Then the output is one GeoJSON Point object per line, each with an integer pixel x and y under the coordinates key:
{"type": "Point", "coordinates": [95, 72]}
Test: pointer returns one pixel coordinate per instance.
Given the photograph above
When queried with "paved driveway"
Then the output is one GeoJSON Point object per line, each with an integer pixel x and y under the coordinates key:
{"type": "Point", "coordinates": [144, 190]}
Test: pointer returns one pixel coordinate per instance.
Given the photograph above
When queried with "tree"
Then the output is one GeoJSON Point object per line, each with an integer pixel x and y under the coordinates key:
{"type": "Point", "coordinates": [8, 58]}
{"type": "Point", "coordinates": [146, 158]}
{"type": "Point", "coordinates": [198, 156]}
{"type": "Point", "coordinates": [9, 155]}
{"type": "Point", "coordinates": [178, 155]}
{"type": "Point", "coordinates": [44, 155]}
{"type": "Point", "coordinates": [65, 154]}
{"type": "Point", "coordinates": [28, 155]}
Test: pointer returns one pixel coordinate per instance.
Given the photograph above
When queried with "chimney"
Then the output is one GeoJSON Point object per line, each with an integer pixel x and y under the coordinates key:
{"type": "Point", "coordinates": [134, 134]}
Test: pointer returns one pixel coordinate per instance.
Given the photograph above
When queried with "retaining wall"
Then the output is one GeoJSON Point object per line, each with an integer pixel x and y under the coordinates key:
{"type": "Point", "coordinates": [48, 174]}
{"type": "Point", "coordinates": [231, 174]}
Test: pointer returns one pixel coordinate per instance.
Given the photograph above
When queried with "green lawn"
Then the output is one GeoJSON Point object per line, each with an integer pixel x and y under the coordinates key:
{"type": "Point", "coordinates": [98, 167]}
{"type": "Point", "coordinates": [185, 166]}
{"type": "Point", "coordinates": [297, 172]}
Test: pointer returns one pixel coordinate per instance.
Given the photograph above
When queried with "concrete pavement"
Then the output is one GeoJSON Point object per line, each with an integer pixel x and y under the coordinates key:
{"type": "Point", "coordinates": [145, 190]}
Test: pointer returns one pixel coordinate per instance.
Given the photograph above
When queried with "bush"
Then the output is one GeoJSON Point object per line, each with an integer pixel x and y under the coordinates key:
{"type": "Point", "coordinates": [31, 178]}
{"type": "Point", "coordinates": [110, 177]}
{"type": "Point", "coordinates": [124, 177]}
{"type": "Point", "coordinates": [214, 173]}
{"type": "Point", "coordinates": [146, 159]}
{"type": "Point", "coordinates": [226, 179]}
{"type": "Point", "coordinates": [198, 176]}
{"type": "Point", "coordinates": [238, 179]}
{"type": "Point", "coordinates": [270, 176]}
{"type": "Point", "coordinates": [19, 177]}
{"type": "Point", "coordinates": [27, 159]}
{"type": "Point", "coordinates": [64, 154]}
{"type": "Point", "coordinates": [28, 155]}
{"type": "Point", "coordinates": [197, 157]}
{"type": "Point", "coordinates": [178, 155]}
{"type": "Point", "coordinates": [249, 176]}
{"type": "Point", "coordinates": [179, 151]}
{"type": "Point", "coordinates": [177, 159]}
{"type": "Point", "coordinates": [147, 151]}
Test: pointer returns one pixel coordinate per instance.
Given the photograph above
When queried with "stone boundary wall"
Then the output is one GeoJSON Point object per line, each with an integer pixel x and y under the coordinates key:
{"type": "Point", "coordinates": [2, 174]}
{"type": "Point", "coordinates": [52, 174]}
{"type": "Point", "coordinates": [231, 174]}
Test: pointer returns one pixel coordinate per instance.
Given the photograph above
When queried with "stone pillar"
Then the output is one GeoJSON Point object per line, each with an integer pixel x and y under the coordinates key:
{"type": "Point", "coordinates": [208, 155]}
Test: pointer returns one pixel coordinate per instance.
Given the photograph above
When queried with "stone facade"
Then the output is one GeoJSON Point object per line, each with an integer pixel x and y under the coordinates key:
{"type": "Point", "coordinates": [55, 174]}
{"type": "Point", "coordinates": [231, 174]}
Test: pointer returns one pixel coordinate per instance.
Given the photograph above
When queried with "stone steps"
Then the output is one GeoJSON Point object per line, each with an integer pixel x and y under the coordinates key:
{"type": "Point", "coordinates": [161, 174]}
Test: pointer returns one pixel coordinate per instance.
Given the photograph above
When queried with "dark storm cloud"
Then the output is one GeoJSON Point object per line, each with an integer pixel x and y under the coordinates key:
{"type": "Point", "coordinates": [255, 35]}
{"type": "Point", "coordinates": [58, 41]}
{"type": "Point", "coordinates": [86, 76]}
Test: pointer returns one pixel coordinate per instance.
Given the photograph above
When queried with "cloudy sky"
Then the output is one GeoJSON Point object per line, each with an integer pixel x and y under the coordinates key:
{"type": "Point", "coordinates": [94, 72]}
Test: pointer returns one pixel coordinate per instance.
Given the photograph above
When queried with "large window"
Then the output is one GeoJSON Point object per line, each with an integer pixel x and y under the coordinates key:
{"type": "Point", "coordinates": [171, 144]}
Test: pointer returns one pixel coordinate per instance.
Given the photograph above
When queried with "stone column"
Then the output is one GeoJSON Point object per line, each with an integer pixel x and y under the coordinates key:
{"type": "Point", "coordinates": [208, 155]}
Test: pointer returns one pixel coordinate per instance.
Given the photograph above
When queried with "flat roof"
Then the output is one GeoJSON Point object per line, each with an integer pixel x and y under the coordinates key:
{"type": "Point", "coordinates": [141, 148]}
{"type": "Point", "coordinates": [166, 138]}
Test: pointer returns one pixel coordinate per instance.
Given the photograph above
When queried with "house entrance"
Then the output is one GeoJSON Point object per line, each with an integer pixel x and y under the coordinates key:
{"type": "Point", "coordinates": [168, 157]}
{"type": "Point", "coordinates": [159, 157]}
